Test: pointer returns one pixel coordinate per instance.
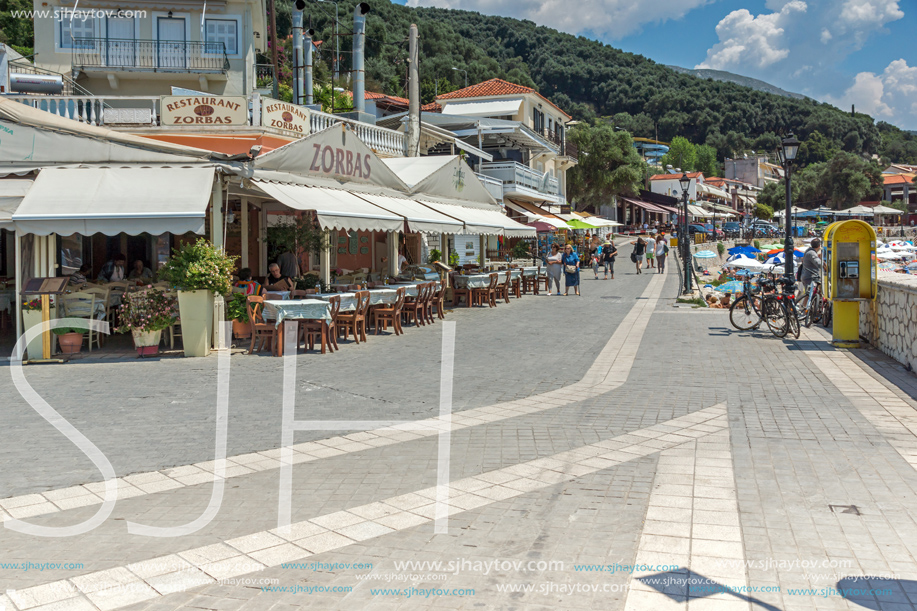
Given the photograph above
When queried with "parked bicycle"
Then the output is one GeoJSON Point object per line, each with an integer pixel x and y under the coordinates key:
{"type": "Point", "coordinates": [745, 313]}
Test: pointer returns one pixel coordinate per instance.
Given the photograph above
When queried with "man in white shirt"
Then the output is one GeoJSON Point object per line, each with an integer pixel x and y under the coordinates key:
{"type": "Point", "coordinates": [650, 251]}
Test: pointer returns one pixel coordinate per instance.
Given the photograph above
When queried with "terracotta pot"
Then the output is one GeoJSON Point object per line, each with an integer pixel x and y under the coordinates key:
{"type": "Point", "coordinates": [70, 343]}
{"type": "Point", "coordinates": [241, 329]}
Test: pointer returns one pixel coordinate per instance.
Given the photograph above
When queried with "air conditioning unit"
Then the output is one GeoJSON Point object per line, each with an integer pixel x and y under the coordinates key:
{"type": "Point", "coordinates": [127, 116]}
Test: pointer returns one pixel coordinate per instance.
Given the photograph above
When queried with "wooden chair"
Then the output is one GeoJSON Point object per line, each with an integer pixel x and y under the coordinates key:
{"type": "Point", "coordinates": [383, 315]}
{"type": "Point", "coordinates": [273, 296]}
{"type": "Point", "coordinates": [302, 293]}
{"type": "Point", "coordinates": [516, 287]}
{"type": "Point", "coordinates": [539, 279]}
{"type": "Point", "coordinates": [503, 290]}
{"type": "Point", "coordinates": [428, 303]}
{"type": "Point", "coordinates": [103, 296]}
{"type": "Point", "coordinates": [261, 331]}
{"type": "Point", "coordinates": [355, 321]}
{"type": "Point", "coordinates": [438, 301]}
{"type": "Point", "coordinates": [413, 308]}
{"type": "Point", "coordinates": [458, 292]}
{"type": "Point", "coordinates": [487, 294]}
{"type": "Point", "coordinates": [85, 305]}
{"type": "Point", "coordinates": [323, 330]}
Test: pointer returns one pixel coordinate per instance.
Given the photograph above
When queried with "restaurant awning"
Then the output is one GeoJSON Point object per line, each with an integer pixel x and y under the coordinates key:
{"type": "Point", "coordinates": [490, 108]}
{"type": "Point", "coordinates": [420, 218]}
{"type": "Point", "coordinates": [646, 205]}
{"type": "Point", "coordinates": [480, 220]}
{"type": "Point", "coordinates": [530, 213]}
{"type": "Point", "coordinates": [11, 193]}
{"type": "Point", "coordinates": [335, 208]}
{"type": "Point", "coordinates": [116, 200]}
{"type": "Point", "coordinates": [698, 211]}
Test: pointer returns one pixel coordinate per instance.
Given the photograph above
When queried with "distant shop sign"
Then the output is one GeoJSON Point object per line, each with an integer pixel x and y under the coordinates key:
{"type": "Point", "coordinates": [203, 110]}
{"type": "Point", "coordinates": [285, 117]}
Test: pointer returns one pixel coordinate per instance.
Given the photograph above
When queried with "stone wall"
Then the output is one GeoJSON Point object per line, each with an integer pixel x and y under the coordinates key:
{"type": "Point", "coordinates": [890, 323]}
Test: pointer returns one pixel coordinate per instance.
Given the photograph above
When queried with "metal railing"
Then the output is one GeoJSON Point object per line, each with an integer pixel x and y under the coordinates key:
{"type": "Point", "coordinates": [493, 186]}
{"type": "Point", "coordinates": [150, 55]}
{"type": "Point", "coordinates": [379, 139]}
{"type": "Point", "coordinates": [511, 173]}
{"type": "Point", "coordinates": [567, 149]}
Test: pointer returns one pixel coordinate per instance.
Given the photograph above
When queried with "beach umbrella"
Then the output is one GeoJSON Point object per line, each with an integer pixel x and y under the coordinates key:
{"type": "Point", "coordinates": [739, 255]}
{"type": "Point", "coordinates": [887, 266]}
{"type": "Point", "coordinates": [743, 250]}
{"type": "Point", "coordinates": [733, 286]}
{"type": "Point", "coordinates": [749, 264]}
{"type": "Point", "coordinates": [705, 254]}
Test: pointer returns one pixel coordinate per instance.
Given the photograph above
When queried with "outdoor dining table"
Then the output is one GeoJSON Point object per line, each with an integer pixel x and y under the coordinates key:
{"type": "Point", "coordinates": [294, 310]}
{"type": "Point", "coordinates": [348, 300]}
{"type": "Point", "coordinates": [474, 281]}
{"type": "Point", "coordinates": [6, 300]}
{"type": "Point", "coordinates": [411, 287]}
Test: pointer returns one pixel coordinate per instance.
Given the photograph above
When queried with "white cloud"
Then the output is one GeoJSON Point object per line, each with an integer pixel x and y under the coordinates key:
{"type": "Point", "coordinates": [749, 40]}
{"type": "Point", "coordinates": [607, 19]}
{"type": "Point", "coordinates": [785, 36]}
{"type": "Point", "coordinates": [888, 95]}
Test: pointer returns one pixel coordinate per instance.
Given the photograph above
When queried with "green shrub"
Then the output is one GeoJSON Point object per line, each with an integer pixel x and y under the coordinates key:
{"type": "Point", "coordinates": [199, 267]}
{"type": "Point", "coordinates": [237, 307]}
{"type": "Point", "coordinates": [435, 255]}
{"type": "Point", "coordinates": [720, 248]}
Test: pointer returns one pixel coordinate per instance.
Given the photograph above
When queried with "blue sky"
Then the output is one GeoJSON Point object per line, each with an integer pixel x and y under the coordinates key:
{"type": "Point", "coordinates": [840, 51]}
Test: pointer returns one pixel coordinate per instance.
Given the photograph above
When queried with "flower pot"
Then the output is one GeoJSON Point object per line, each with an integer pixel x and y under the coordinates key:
{"type": "Point", "coordinates": [146, 342]}
{"type": "Point", "coordinates": [196, 311]}
{"type": "Point", "coordinates": [70, 343]}
{"type": "Point", "coordinates": [241, 330]}
{"type": "Point", "coordinates": [31, 318]}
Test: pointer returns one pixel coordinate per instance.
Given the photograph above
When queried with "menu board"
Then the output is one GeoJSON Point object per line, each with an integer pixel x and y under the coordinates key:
{"type": "Point", "coordinates": [45, 286]}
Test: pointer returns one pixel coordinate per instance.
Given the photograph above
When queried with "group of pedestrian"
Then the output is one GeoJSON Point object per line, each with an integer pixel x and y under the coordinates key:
{"type": "Point", "coordinates": [654, 248]}
{"type": "Point", "coordinates": [568, 263]}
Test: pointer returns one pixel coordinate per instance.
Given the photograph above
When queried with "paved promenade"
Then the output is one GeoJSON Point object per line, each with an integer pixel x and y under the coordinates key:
{"type": "Point", "coordinates": [610, 451]}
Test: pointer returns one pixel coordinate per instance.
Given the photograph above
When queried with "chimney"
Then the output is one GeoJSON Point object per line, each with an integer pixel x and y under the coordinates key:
{"type": "Point", "coordinates": [298, 79]}
{"type": "Point", "coordinates": [413, 132]}
{"type": "Point", "coordinates": [359, 50]}
{"type": "Point", "coordinates": [308, 61]}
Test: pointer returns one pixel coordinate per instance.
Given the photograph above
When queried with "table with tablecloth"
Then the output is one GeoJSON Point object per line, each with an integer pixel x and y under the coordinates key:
{"type": "Point", "coordinates": [295, 309]}
{"type": "Point", "coordinates": [348, 300]}
{"type": "Point", "coordinates": [475, 281]}
{"type": "Point", "coordinates": [411, 287]}
{"type": "Point", "coordinates": [531, 272]}
{"type": "Point", "coordinates": [7, 297]}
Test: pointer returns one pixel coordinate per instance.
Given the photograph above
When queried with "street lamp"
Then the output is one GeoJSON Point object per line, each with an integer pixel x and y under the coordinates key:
{"type": "Point", "coordinates": [789, 147]}
{"type": "Point", "coordinates": [466, 74]}
{"type": "Point", "coordinates": [685, 183]}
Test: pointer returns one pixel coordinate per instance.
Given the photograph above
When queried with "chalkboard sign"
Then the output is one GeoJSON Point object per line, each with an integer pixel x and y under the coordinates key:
{"type": "Point", "coordinates": [45, 286]}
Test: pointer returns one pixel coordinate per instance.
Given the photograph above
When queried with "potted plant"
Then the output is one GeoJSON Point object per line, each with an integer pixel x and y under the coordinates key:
{"type": "Point", "coordinates": [435, 255]}
{"type": "Point", "coordinates": [69, 339]}
{"type": "Point", "coordinates": [145, 314]}
{"type": "Point", "coordinates": [198, 271]}
{"type": "Point", "coordinates": [453, 259]}
{"type": "Point", "coordinates": [237, 312]}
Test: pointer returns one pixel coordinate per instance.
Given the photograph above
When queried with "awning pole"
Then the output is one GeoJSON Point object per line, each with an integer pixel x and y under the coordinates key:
{"type": "Point", "coordinates": [244, 222]}
{"type": "Point", "coordinates": [17, 303]}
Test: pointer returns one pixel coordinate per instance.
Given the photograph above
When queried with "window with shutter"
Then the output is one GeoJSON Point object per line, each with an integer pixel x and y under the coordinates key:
{"type": "Point", "coordinates": [224, 31]}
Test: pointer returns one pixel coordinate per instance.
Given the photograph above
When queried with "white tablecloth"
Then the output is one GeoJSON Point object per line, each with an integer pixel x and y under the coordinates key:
{"type": "Point", "coordinates": [348, 300]}
{"type": "Point", "coordinates": [477, 281]}
{"type": "Point", "coordinates": [6, 300]}
{"type": "Point", "coordinates": [312, 309]}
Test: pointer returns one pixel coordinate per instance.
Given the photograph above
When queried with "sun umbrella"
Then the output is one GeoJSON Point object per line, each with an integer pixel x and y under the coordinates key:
{"type": "Point", "coordinates": [705, 254]}
{"type": "Point", "coordinates": [578, 224]}
{"type": "Point", "coordinates": [887, 266]}
{"type": "Point", "coordinates": [743, 250]}
{"type": "Point", "coordinates": [750, 264]}
{"type": "Point", "coordinates": [739, 255]}
{"type": "Point", "coordinates": [775, 251]}
{"type": "Point", "coordinates": [541, 227]}
{"type": "Point", "coordinates": [733, 286]}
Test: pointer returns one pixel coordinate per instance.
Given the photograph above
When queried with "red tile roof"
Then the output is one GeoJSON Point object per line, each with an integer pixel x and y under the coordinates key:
{"type": "Point", "coordinates": [493, 87]}
{"type": "Point", "coordinates": [675, 176]}
{"type": "Point", "coordinates": [431, 107]}
{"type": "Point", "coordinates": [898, 179]}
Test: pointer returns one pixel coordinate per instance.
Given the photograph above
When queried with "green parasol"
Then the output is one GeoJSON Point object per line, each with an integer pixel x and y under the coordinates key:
{"type": "Point", "coordinates": [578, 224]}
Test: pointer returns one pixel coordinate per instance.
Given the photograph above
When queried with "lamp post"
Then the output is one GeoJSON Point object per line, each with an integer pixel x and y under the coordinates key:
{"type": "Point", "coordinates": [685, 183]}
{"type": "Point", "coordinates": [787, 154]}
{"type": "Point", "coordinates": [466, 75]}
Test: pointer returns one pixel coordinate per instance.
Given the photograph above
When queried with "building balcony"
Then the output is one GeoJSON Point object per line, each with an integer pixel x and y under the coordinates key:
{"type": "Point", "coordinates": [565, 148]}
{"type": "Point", "coordinates": [108, 55]}
{"type": "Point", "coordinates": [522, 181]}
{"type": "Point", "coordinates": [493, 186]}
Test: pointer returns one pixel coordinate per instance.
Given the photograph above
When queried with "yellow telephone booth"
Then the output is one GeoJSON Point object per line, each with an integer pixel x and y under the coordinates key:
{"type": "Point", "coordinates": [850, 271]}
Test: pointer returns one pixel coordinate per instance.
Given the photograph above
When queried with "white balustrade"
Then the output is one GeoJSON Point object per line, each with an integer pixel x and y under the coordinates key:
{"type": "Point", "coordinates": [513, 173]}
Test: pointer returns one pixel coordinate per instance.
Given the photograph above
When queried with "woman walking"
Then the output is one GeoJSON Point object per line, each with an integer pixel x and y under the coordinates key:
{"type": "Point", "coordinates": [609, 252]}
{"type": "Point", "coordinates": [650, 251]}
{"type": "Point", "coordinates": [571, 270]}
{"type": "Point", "coordinates": [593, 250]}
{"type": "Point", "coordinates": [555, 268]}
{"type": "Point", "coordinates": [662, 250]}
{"type": "Point", "coordinates": [637, 255]}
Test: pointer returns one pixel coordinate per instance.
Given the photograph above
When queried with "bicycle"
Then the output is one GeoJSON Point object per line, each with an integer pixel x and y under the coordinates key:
{"type": "Point", "coordinates": [745, 313]}
{"type": "Point", "coordinates": [812, 303]}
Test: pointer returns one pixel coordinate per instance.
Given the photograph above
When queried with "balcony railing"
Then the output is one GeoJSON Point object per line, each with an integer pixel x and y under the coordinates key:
{"type": "Point", "coordinates": [148, 55]}
{"type": "Point", "coordinates": [493, 186]}
{"type": "Point", "coordinates": [567, 149]}
{"type": "Point", "coordinates": [144, 110]}
{"type": "Point", "coordinates": [514, 175]}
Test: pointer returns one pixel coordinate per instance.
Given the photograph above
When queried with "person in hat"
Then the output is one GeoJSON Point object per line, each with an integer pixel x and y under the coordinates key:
{"type": "Point", "coordinates": [609, 252]}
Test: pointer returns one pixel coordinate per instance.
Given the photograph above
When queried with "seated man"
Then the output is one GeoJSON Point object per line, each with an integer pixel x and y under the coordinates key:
{"type": "Point", "coordinates": [248, 286]}
{"type": "Point", "coordinates": [140, 271]}
{"type": "Point", "coordinates": [275, 281]}
{"type": "Point", "coordinates": [80, 277]}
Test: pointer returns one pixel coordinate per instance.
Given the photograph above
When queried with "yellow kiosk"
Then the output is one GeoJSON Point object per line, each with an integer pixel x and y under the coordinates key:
{"type": "Point", "coordinates": [849, 263]}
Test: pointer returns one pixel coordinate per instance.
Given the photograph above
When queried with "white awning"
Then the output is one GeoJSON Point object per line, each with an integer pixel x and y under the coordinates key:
{"type": "Point", "coordinates": [336, 209]}
{"type": "Point", "coordinates": [554, 222]}
{"type": "Point", "coordinates": [115, 200]}
{"type": "Point", "coordinates": [419, 217]}
{"type": "Point", "coordinates": [11, 193]}
{"type": "Point", "coordinates": [698, 211]}
{"type": "Point", "coordinates": [482, 221]}
{"type": "Point", "coordinates": [712, 191]}
{"type": "Point", "coordinates": [489, 108]}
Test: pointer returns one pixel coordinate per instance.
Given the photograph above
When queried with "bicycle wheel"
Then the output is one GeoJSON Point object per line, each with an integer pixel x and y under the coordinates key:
{"type": "Point", "coordinates": [826, 314]}
{"type": "Point", "coordinates": [743, 314]}
{"type": "Point", "coordinates": [792, 320]}
{"type": "Point", "coordinates": [775, 317]}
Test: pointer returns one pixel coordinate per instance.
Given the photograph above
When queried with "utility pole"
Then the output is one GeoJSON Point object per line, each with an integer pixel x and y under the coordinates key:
{"type": "Point", "coordinates": [413, 139]}
{"type": "Point", "coordinates": [298, 6]}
